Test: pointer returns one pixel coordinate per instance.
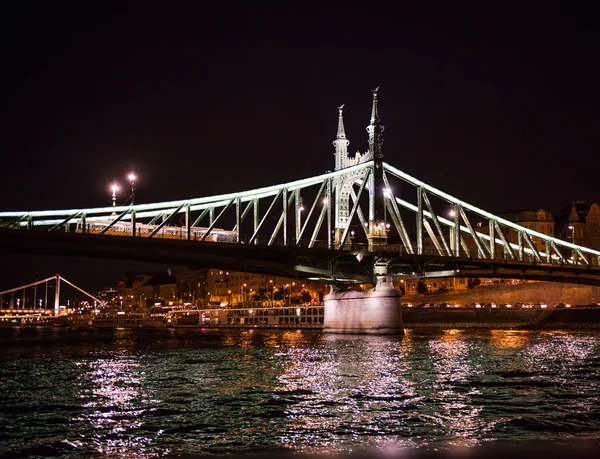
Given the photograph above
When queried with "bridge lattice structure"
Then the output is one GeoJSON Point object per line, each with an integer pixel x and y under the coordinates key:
{"type": "Point", "coordinates": [366, 208]}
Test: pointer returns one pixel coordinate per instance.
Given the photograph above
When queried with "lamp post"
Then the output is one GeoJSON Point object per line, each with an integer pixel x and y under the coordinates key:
{"type": "Point", "coordinates": [132, 178]}
{"type": "Point", "coordinates": [271, 282]}
{"type": "Point", "coordinates": [573, 257]}
{"type": "Point", "coordinates": [572, 228]}
{"type": "Point", "coordinates": [114, 188]}
{"type": "Point", "coordinates": [243, 295]}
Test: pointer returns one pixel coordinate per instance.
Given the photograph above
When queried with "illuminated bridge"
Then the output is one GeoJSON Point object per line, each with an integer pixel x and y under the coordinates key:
{"type": "Point", "coordinates": [365, 219]}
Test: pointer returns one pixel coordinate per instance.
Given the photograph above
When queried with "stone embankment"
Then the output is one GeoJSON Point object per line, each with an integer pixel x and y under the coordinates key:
{"type": "Point", "coordinates": [550, 293]}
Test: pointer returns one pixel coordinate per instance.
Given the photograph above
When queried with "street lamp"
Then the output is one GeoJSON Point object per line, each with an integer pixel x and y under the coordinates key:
{"type": "Point", "coordinates": [114, 188]}
{"type": "Point", "coordinates": [271, 282]}
{"type": "Point", "coordinates": [243, 293]}
{"type": "Point", "coordinates": [132, 178]}
{"type": "Point", "coordinates": [572, 228]}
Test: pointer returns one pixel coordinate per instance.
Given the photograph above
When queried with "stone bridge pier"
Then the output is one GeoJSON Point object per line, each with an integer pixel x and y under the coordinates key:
{"type": "Point", "coordinates": [374, 311]}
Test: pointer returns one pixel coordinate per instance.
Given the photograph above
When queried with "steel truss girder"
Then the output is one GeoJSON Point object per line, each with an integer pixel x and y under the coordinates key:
{"type": "Point", "coordinates": [361, 217]}
{"type": "Point", "coordinates": [433, 237]}
{"type": "Point", "coordinates": [312, 208]}
{"type": "Point", "coordinates": [164, 221]}
{"type": "Point", "coordinates": [117, 219]}
{"type": "Point", "coordinates": [415, 182]}
{"type": "Point", "coordinates": [554, 248]}
{"type": "Point", "coordinates": [214, 222]}
{"type": "Point", "coordinates": [275, 199]}
{"type": "Point", "coordinates": [66, 220]}
{"type": "Point", "coordinates": [287, 202]}
{"type": "Point", "coordinates": [354, 208]}
{"type": "Point", "coordinates": [397, 218]}
{"type": "Point", "coordinates": [507, 247]}
{"type": "Point", "coordinates": [480, 251]}
{"type": "Point", "coordinates": [436, 222]}
{"type": "Point", "coordinates": [325, 210]}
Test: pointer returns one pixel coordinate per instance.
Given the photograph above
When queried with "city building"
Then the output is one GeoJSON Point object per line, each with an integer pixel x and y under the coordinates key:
{"type": "Point", "coordinates": [536, 220]}
{"type": "Point", "coordinates": [437, 285]}
{"type": "Point", "coordinates": [146, 289]}
{"type": "Point", "coordinates": [231, 287]}
{"type": "Point", "coordinates": [579, 223]}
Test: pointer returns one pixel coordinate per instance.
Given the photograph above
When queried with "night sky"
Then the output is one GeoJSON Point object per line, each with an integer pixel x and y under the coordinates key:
{"type": "Point", "coordinates": [499, 107]}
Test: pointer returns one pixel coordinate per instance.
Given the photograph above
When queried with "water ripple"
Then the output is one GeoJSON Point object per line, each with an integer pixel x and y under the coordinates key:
{"type": "Point", "coordinates": [142, 393]}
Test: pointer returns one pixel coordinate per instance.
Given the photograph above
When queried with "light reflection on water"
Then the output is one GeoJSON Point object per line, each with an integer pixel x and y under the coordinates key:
{"type": "Point", "coordinates": [150, 393]}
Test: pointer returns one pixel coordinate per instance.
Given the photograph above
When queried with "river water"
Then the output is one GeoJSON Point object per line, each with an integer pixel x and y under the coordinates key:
{"type": "Point", "coordinates": [191, 393]}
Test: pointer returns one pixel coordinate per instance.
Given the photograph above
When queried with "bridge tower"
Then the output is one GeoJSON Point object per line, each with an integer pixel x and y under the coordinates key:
{"type": "Point", "coordinates": [377, 229]}
{"type": "Point", "coordinates": [377, 234]}
{"type": "Point", "coordinates": [377, 310]}
{"type": "Point", "coordinates": [342, 184]}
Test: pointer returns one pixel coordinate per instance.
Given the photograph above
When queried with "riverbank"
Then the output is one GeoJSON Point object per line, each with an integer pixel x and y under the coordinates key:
{"type": "Point", "coordinates": [549, 293]}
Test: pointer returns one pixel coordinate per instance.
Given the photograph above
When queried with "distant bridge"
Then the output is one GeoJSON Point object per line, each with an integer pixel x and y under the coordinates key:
{"type": "Point", "coordinates": [39, 298]}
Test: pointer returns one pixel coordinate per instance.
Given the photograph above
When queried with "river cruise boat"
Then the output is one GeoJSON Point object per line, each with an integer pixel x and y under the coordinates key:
{"type": "Point", "coordinates": [116, 320]}
{"type": "Point", "coordinates": [298, 316]}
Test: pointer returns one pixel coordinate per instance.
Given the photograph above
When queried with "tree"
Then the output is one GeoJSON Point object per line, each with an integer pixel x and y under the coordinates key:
{"type": "Point", "coordinates": [255, 296]}
{"type": "Point", "coordinates": [473, 282]}
{"type": "Point", "coordinates": [306, 298]}
{"type": "Point", "coordinates": [402, 289]}
{"type": "Point", "coordinates": [262, 294]}
{"type": "Point", "coordinates": [421, 287]}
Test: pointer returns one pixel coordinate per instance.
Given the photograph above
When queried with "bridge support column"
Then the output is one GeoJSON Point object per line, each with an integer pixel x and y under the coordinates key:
{"type": "Point", "coordinates": [337, 239]}
{"type": "Point", "coordinates": [376, 311]}
{"type": "Point", "coordinates": [57, 295]}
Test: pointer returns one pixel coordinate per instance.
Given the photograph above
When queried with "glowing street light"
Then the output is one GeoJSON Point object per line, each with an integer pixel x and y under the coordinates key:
{"type": "Point", "coordinates": [114, 188]}
{"type": "Point", "coordinates": [572, 228]}
{"type": "Point", "coordinates": [132, 178]}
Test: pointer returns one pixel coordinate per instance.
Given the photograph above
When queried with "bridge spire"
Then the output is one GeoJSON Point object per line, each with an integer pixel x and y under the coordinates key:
{"type": "Point", "coordinates": [375, 130]}
{"type": "Point", "coordinates": [341, 143]}
{"type": "Point", "coordinates": [377, 235]}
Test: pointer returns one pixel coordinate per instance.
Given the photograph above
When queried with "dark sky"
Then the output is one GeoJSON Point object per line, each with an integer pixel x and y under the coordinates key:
{"type": "Point", "coordinates": [497, 106]}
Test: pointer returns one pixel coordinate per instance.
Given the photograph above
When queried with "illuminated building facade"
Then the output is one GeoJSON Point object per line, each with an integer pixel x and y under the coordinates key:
{"type": "Point", "coordinates": [579, 223]}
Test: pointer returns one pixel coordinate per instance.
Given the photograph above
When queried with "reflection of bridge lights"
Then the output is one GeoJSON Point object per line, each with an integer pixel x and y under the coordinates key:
{"type": "Point", "coordinates": [508, 338]}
